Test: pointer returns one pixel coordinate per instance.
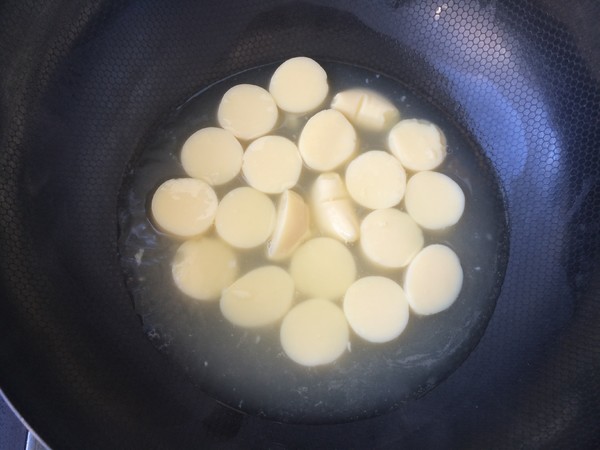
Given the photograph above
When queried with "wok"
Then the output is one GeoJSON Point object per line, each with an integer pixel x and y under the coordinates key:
{"type": "Point", "coordinates": [83, 84]}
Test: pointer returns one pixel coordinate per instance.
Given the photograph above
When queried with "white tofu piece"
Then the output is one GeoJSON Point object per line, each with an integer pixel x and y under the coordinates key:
{"type": "Point", "coordinates": [376, 308]}
{"type": "Point", "coordinates": [299, 85]}
{"type": "Point", "coordinates": [212, 154]}
{"type": "Point", "coordinates": [184, 207]}
{"type": "Point", "coordinates": [323, 268]}
{"type": "Point", "coordinates": [433, 280]}
{"type": "Point", "coordinates": [245, 218]}
{"type": "Point", "coordinates": [272, 164]}
{"type": "Point", "coordinates": [376, 180]}
{"type": "Point", "coordinates": [248, 111]}
{"type": "Point", "coordinates": [259, 298]}
{"type": "Point", "coordinates": [314, 332]}
{"type": "Point", "coordinates": [327, 140]}
{"type": "Point", "coordinates": [434, 200]}
{"type": "Point", "coordinates": [203, 267]}
{"type": "Point", "coordinates": [418, 144]}
{"type": "Point", "coordinates": [390, 238]}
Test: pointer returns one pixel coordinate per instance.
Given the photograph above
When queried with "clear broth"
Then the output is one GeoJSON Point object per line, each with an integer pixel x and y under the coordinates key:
{"type": "Point", "coordinates": [246, 368]}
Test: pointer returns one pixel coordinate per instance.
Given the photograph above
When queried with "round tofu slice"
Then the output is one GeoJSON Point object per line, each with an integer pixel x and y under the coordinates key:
{"type": "Point", "coordinates": [272, 164]}
{"type": "Point", "coordinates": [418, 144]}
{"type": "Point", "coordinates": [376, 309]}
{"type": "Point", "coordinates": [248, 111]}
{"type": "Point", "coordinates": [333, 210]}
{"type": "Point", "coordinates": [376, 180]}
{"type": "Point", "coordinates": [213, 155]}
{"type": "Point", "coordinates": [184, 207]}
{"type": "Point", "coordinates": [245, 218]}
{"type": "Point", "coordinates": [259, 298]}
{"type": "Point", "coordinates": [202, 268]}
{"type": "Point", "coordinates": [434, 200]}
{"type": "Point", "coordinates": [291, 228]}
{"type": "Point", "coordinates": [327, 140]}
{"type": "Point", "coordinates": [299, 85]}
{"type": "Point", "coordinates": [323, 267]}
{"type": "Point", "coordinates": [390, 238]}
{"type": "Point", "coordinates": [366, 109]}
{"type": "Point", "coordinates": [314, 332]}
{"type": "Point", "coordinates": [433, 280]}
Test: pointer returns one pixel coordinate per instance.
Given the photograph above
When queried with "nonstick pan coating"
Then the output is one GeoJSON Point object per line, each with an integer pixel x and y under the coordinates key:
{"type": "Point", "coordinates": [81, 87]}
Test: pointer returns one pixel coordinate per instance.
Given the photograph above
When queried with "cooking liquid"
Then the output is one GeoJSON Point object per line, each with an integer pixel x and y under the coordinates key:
{"type": "Point", "coordinates": [246, 368]}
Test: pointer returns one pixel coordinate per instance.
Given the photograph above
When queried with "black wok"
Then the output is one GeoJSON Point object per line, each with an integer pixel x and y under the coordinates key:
{"type": "Point", "coordinates": [83, 83]}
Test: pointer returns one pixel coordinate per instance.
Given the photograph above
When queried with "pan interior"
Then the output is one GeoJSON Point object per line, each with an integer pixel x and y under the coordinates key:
{"type": "Point", "coordinates": [246, 369]}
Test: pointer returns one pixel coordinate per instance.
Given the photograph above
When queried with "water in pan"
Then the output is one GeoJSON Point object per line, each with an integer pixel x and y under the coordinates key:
{"type": "Point", "coordinates": [247, 369]}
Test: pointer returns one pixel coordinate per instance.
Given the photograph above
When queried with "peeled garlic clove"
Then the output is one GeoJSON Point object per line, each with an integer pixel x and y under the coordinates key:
{"type": "Point", "coordinates": [334, 213]}
{"type": "Point", "coordinates": [291, 227]}
{"type": "Point", "coordinates": [366, 109]}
